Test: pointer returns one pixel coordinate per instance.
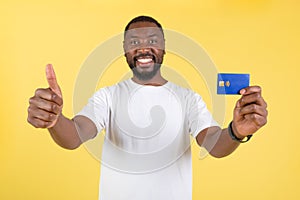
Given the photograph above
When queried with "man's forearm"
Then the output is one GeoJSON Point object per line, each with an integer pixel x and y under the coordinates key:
{"type": "Point", "coordinates": [224, 145]}
{"type": "Point", "coordinates": [217, 142]}
{"type": "Point", "coordinates": [64, 133]}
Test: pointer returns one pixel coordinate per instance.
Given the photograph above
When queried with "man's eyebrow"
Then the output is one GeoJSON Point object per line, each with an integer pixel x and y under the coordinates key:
{"type": "Point", "coordinates": [152, 35]}
{"type": "Point", "coordinates": [134, 36]}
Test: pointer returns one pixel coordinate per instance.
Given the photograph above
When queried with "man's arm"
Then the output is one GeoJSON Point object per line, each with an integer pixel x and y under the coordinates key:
{"type": "Point", "coordinates": [249, 115]}
{"type": "Point", "coordinates": [45, 111]}
{"type": "Point", "coordinates": [70, 134]}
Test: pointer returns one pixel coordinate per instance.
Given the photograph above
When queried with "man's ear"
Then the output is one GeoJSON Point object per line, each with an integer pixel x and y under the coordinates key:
{"type": "Point", "coordinates": [124, 48]}
{"type": "Point", "coordinates": [164, 46]}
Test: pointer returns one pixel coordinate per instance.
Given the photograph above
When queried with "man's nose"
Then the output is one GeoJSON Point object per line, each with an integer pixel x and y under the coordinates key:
{"type": "Point", "coordinates": [143, 49]}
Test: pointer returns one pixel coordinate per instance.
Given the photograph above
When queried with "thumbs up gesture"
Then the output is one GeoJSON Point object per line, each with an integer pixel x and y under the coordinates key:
{"type": "Point", "coordinates": [45, 107]}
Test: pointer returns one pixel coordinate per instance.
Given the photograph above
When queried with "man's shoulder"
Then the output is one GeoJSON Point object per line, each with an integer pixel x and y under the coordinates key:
{"type": "Point", "coordinates": [179, 88]}
{"type": "Point", "coordinates": [186, 93]}
{"type": "Point", "coordinates": [112, 88]}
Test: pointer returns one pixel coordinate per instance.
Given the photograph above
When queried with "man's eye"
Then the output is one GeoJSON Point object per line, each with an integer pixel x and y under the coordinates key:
{"type": "Point", "coordinates": [134, 42]}
{"type": "Point", "coordinates": [152, 41]}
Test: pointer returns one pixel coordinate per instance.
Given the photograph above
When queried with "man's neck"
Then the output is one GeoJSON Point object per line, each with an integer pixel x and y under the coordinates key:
{"type": "Point", "coordinates": [157, 80]}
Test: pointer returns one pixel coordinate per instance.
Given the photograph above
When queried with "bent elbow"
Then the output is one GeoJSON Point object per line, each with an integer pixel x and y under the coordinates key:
{"type": "Point", "coordinates": [70, 146]}
{"type": "Point", "coordinates": [218, 155]}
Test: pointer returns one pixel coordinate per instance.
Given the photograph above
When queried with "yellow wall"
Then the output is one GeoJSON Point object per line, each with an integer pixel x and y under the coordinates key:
{"type": "Point", "coordinates": [259, 37]}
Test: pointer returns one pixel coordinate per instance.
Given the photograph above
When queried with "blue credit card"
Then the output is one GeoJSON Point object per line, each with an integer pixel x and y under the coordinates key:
{"type": "Point", "coordinates": [232, 83]}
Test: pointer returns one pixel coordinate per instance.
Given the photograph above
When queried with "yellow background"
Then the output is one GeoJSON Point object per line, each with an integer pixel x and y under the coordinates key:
{"type": "Point", "coordinates": [259, 37]}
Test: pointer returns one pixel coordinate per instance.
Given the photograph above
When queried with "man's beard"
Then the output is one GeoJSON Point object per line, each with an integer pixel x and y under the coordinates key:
{"type": "Point", "coordinates": [144, 76]}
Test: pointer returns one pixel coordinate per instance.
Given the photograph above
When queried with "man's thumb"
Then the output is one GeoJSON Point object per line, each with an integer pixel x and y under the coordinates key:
{"type": "Point", "coordinates": [51, 78]}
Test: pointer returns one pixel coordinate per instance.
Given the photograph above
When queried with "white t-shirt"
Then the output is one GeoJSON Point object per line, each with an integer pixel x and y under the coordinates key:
{"type": "Point", "coordinates": [146, 153]}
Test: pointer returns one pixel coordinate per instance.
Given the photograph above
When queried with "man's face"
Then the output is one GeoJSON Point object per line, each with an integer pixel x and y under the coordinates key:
{"type": "Point", "coordinates": [144, 48]}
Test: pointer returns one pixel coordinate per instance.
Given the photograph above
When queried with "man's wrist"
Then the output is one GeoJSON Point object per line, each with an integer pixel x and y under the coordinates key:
{"type": "Point", "coordinates": [234, 136]}
{"type": "Point", "coordinates": [56, 122]}
{"type": "Point", "coordinates": [235, 131]}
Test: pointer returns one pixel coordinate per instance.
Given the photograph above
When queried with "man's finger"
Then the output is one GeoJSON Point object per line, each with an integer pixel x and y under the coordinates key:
{"type": "Point", "coordinates": [41, 104]}
{"type": "Point", "coordinates": [51, 78]}
{"type": "Point", "coordinates": [257, 119]}
{"type": "Point", "coordinates": [253, 109]}
{"type": "Point", "coordinates": [37, 123]}
{"type": "Point", "coordinates": [49, 95]}
{"type": "Point", "coordinates": [45, 116]}
{"type": "Point", "coordinates": [252, 98]}
{"type": "Point", "coordinates": [250, 89]}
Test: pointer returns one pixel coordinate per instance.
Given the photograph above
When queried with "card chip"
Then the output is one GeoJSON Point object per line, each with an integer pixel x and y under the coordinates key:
{"type": "Point", "coordinates": [221, 83]}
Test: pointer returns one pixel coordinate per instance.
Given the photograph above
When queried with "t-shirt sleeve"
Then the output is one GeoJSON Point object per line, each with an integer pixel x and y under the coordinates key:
{"type": "Point", "coordinates": [97, 109]}
{"type": "Point", "coordinates": [199, 117]}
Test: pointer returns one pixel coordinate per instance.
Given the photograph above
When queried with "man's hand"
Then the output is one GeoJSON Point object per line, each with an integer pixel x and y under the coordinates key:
{"type": "Point", "coordinates": [45, 106]}
{"type": "Point", "coordinates": [250, 112]}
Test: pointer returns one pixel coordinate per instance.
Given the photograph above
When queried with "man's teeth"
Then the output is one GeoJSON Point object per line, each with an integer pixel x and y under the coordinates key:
{"type": "Point", "coordinates": [144, 60]}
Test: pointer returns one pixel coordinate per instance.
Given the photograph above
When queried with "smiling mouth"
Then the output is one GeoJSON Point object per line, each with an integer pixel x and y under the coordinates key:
{"type": "Point", "coordinates": [144, 60]}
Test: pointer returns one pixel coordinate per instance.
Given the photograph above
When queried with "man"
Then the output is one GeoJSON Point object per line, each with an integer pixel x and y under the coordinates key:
{"type": "Point", "coordinates": [148, 121]}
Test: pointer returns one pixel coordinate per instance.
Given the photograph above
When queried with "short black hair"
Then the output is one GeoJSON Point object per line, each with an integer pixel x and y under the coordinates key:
{"type": "Point", "coordinates": [143, 18]}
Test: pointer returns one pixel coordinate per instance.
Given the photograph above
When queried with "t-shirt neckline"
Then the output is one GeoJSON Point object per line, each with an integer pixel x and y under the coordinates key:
{"type": "Point", "coordinates": [155, 86]}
